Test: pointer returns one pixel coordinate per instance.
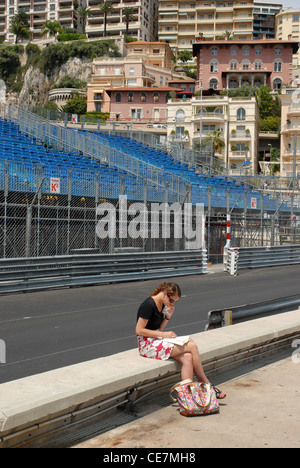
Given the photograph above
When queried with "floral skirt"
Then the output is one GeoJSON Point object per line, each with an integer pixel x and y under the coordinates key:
{"type": "Point", "coordinates": [154, 348]}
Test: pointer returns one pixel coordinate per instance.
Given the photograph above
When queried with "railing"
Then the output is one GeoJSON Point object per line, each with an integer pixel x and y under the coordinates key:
{"type": "Point", "coordinates": [259, 257]}
{"type": "Point", "coordinates": [231, 316]}
{"type": "Point", "coordinates": [94, 146]}
{"type": "Point", "coordinates": [44, 273]}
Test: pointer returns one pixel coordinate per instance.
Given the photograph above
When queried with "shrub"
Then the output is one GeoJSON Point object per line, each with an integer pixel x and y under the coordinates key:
{"type": "Point", "coordinates": [56, 55]}
{"type": "Point", "coordinates": [65, 37]}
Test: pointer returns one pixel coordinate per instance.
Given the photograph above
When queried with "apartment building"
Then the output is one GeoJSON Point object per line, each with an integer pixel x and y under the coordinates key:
{"type": "Point", "coordinates": [181, 20]}
{"type": "Point", "coordinates": [290, 133]}
{"type": "Point", "coordinates": [288, 25]}
{"type": "Point", "coordinates": [265, 19]}
{"type": "Point", "coordinates": [146, 64]}
{"type": "Point", "coordinates": [236, 120]}
{"type": "Point", "coordinates": [230, 64]}
{"type": "Point", "coordinates": [143, 24]}
{"type": "Point", "coordinates": [140, 105]}
{"type": "Point", "coordinates": [38, 11]}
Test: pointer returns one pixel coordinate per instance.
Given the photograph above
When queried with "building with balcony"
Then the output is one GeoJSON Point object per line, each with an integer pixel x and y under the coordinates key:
{"type": "Point", "coordinates": [143, 24]}
{"type": "Point", "coordinates": [236, 120]}
{"type": "Point", "coordinates": [144, 105]}
{"type": "Point", "coordinates": [265, 19]}
{"type": "Point", "coordinates": [233, 63]}
{"type": "Point", "coordinates": [290, 133]}
{"type": "Point", "coordinates": [288, 25]}
{"type": "Point", "coordinates": [39, 11]}
{"type": "Point", "coordinates": [146, 64]}
{"type": "Point", "coordinates": [181, 20]}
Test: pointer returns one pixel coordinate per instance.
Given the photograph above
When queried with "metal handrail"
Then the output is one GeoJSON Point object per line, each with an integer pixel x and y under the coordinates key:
{"type": "Point", "coordinates": [232, 315]}
{"type": "Point", "coordinates": [95, 147]}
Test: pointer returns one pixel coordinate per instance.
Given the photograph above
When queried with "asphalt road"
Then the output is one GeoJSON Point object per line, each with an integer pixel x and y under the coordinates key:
{"type": "Point", "coordinates": [51, 329]}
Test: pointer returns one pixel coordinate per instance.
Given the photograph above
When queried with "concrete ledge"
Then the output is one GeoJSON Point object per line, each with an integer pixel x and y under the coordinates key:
{"type": "Point", "coordinates": [30, 406]}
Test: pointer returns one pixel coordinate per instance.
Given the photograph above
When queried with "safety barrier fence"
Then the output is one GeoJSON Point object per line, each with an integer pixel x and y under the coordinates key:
{"type": "Point", "coordinates": [33, 274]}
{"type": "Point", "coordinates": [64, 406]}
{"type": "Point", "coordinates": [239, 258]}
{"type": "Point", "coordinates": [226, 317]}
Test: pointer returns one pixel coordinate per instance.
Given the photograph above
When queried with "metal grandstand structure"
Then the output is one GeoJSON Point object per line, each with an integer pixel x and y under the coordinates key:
{"type": "Point", "coordinates": [93, 168]}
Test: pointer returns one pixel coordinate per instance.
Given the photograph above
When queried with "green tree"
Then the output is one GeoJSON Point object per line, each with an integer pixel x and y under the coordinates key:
{"type": "Point", "coordinates": [84, 12]}
{"type": "Point", "coordinates": [216, 140]}
{"type": "Point", "coordinates": [270, 124]}
{"type": "Point", "coordinates": [229, 34]}
{"type": "Point", "coordinates": [129, 14]}
{"type": "Point", "coordinates": [56, 55]}
{"type": "Point", "coordinates": [68, 82]}
{"type": "Point", "coordinates": [105, 8]}
{"type": "Point", "coordinates": [9, 62]}
{"type": "Point", "coordinates": [265, 101]}
{"type": "Point", "coordinates": [20, 26]}
{"type": "Point", "coordinates": [76, 105]}
{"type": "Point", "coordinates": [53, 28]}
{"type": "Point", "coordinates": [275, 158]}
{"type": "Point", "coordinates": [185, 56]}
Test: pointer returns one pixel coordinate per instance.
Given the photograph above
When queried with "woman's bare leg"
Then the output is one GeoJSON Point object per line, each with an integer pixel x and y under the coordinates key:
{"type": "Point", "coordinates": [180, 353]}
{"type": "Point", "coordinates": [187, 369]}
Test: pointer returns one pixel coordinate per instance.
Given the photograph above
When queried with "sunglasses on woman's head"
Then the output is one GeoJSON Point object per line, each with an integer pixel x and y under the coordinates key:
{"type": "Point", "coordinates": [172, 301]}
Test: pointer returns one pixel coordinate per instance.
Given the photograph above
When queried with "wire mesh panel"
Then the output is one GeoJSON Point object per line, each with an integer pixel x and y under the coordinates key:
{"type": "Point", "coordinates": [55, 183]}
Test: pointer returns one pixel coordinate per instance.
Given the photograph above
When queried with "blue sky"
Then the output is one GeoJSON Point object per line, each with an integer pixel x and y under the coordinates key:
{"type": "Point", "coordinates": [291, 3]}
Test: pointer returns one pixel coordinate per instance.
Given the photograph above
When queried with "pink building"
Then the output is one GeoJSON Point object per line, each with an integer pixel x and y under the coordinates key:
{"type": "Point", "coordinates": [232, 63]}
{"type": "Point", "coordinates": [139, 104]}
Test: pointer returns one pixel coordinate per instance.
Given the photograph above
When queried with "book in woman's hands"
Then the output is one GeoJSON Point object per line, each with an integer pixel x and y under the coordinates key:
{"type": "Point", "coordinates": [179, 340]}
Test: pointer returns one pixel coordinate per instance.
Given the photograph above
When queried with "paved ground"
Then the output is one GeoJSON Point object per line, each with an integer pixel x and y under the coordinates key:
{"type": "Point", "coordinates": [53, 329]}
{"type": "Point", "coordinates": [261, 411]}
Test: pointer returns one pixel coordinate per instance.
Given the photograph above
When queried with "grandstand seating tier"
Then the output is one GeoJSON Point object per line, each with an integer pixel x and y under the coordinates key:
{"type": "Point", "coordinates": [25, 154]}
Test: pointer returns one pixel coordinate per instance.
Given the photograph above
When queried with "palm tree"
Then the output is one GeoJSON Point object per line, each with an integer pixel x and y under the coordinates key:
{"type": "Point", "coordinates": [84, 12]}
{"type": "Point", "coordinates": [105, 8]}
{"type": "Point", "coordinates": [215, 139]}
{"type": "Point", "coordinates": [20, 26]}
{"type": "Point", "coordinates": [52, 28]}
{"type": "Point", "coordinates": [230, 36]}
{"type": "Point", "coordinates": [129, 13]}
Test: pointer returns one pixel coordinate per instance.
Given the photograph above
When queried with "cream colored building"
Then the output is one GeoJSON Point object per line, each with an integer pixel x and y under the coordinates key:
{"type": "Point", "coordinates": [290, 127]}
{"type": "Point", "coordinates": [146, 64]}
{"type": "Point", "coordinates": [61, 96]}
{"type": "Point", "coordinates": [181, 20]}
{"type": "Point", "coordinates": [143, 26]}
{"type": "Point", "coordinates": [191, 121]}
{"type": "Point", "coordinates": [288, 24]}
{"type": "Point", "coordinates": [63, 11]}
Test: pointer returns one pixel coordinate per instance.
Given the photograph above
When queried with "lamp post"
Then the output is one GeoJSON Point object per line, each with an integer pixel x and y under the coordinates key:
{"type": "Point", "coordinates": [201, 109]}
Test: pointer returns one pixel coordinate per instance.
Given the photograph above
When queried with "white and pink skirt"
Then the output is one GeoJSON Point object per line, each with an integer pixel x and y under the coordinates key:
{"type": "Point", "coordinates": [154, 348]}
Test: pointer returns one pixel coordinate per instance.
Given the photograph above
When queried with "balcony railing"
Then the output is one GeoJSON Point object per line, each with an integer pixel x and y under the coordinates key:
{"type": "Point", "coordinates": [208, 116]}
{"type": "Point", "coordinates": [240, 135]}
{"type": "Point", "coordinates": [238, 154]}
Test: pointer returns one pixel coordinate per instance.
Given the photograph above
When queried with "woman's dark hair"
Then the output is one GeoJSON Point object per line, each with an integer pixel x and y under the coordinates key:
{"type": "Point", "coordinates": [172, 289]}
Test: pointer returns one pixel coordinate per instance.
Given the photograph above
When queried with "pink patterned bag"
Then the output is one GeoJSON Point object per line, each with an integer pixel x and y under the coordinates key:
{"type": "Point", "coordinates": [195, 398]}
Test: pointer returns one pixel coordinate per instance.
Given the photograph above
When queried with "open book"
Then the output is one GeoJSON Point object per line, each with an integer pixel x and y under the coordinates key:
{"type": "Point", "coordinates": [179, 340]}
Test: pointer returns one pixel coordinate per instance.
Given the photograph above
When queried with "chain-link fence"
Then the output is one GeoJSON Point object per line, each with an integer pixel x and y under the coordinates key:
{"type": "Point", "coordinates": [46, 211]}
{"type": "Point", "coordinates": [36, 222]}
{"type": "Point", "coordinates": [269, 229]}
{"type": "Point", "coordinates": [53, 209]}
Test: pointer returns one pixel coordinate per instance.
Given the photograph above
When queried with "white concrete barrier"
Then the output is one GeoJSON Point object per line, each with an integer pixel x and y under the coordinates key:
{"type": "Point", "coordinates": [32, 407]}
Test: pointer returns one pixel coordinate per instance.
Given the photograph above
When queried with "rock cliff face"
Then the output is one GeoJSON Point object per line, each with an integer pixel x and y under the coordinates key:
{"type": "Point", "coordinates": [37, 85]}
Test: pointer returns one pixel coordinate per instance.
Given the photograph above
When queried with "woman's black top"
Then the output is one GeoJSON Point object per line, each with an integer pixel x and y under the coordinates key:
{"type": "Point", "coordinates": [149, 311]}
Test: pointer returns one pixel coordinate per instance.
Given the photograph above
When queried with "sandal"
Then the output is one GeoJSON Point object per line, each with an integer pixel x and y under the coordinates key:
{"type": "Point", "coordinates": [219, 394]}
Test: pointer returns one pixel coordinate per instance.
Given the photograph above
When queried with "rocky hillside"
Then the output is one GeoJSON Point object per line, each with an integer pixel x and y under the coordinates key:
{"type": "Point", "coordinates": [29, 72]}
{"type": "Point", "coordinates": [36, 85]}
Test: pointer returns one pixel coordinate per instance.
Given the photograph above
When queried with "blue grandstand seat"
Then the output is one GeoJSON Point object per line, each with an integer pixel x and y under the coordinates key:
{"type": "Point", "coordinates": [16, 147]}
